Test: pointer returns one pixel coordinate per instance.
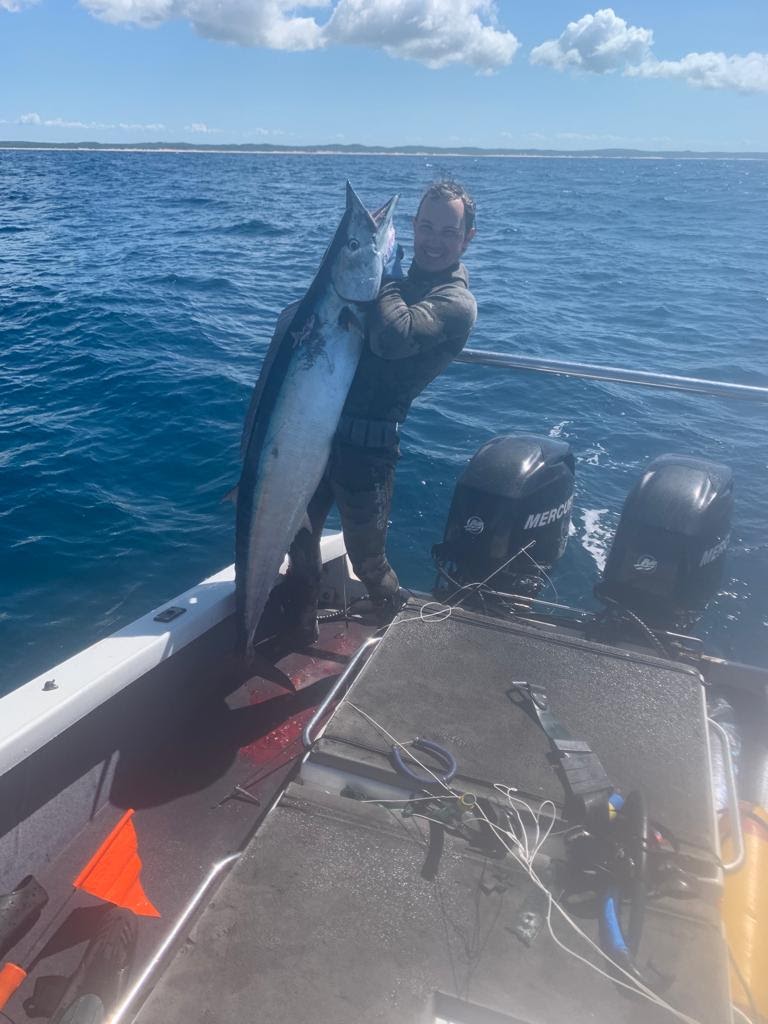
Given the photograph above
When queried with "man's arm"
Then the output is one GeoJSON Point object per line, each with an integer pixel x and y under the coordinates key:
{"type": "Point", "coordinates": [397, 330]}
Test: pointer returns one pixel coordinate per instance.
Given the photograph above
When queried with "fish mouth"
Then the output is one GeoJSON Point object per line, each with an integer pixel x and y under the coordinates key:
{"type": "Point", "coordinates": [384, 212]}
{"type": "Point", "coordinates": [382, 218]}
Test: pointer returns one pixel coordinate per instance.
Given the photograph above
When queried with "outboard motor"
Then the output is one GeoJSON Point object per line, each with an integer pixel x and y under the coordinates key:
{"type": "Point", "coordinates": [515, 490]}
{"type": "Point", "coordinates": [666, 560]}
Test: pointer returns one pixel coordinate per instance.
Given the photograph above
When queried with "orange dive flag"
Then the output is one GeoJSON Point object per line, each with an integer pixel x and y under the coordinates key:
{"type": "Point", "coordinates": [113, 871]}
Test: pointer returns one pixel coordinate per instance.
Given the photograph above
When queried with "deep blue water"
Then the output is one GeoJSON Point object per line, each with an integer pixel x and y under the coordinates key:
{"type": "Point", "coordinates": [138, 293]}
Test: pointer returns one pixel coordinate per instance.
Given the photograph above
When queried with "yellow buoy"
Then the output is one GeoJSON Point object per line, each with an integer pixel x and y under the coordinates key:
{"type": "Point", "coordinates": [745, 912]}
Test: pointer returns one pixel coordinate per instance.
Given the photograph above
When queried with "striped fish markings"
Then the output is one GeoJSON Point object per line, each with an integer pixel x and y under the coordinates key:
{"type": "Point", "coordinates": [297, 403]}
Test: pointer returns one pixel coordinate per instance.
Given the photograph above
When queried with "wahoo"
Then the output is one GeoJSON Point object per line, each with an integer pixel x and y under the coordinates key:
{"type": "Point", "coordinates": [297, 403]}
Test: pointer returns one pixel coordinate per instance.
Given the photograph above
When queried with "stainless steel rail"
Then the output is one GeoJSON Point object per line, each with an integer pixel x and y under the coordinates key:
{"type": "Point", "coordinates": [121, 1014]}
{"type": "Point", "coordinates": [733, 800]}
{"type": "Point", "coordinates": [616, 375]}
{"type": "Point", "coordinates": [345, 676]}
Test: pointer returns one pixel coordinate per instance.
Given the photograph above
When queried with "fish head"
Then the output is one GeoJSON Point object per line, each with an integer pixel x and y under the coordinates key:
{"type": "Point", "coordinates": [367, 242]}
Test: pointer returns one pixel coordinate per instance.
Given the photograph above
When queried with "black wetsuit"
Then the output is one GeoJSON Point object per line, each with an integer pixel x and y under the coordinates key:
{"type": "Point", "coordinates": [419, 324]}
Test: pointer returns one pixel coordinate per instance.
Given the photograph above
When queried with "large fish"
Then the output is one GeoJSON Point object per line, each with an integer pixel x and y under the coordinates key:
{"type": "Point", "coordinates": [297, 403]}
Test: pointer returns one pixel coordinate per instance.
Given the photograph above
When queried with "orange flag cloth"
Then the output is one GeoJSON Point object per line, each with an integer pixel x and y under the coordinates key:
{"type": "Point", "coordinates": [112, 874]}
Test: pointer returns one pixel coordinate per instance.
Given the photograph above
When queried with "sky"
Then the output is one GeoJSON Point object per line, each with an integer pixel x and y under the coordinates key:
{"type": "Point", "coordinates": [562, 74]}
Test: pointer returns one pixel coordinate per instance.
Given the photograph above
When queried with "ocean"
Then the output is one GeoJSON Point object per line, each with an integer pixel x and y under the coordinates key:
{"type": "Point", "coordinates": [138, 292]}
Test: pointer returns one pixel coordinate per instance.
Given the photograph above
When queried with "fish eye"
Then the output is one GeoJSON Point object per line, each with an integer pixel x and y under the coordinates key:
{"type": "Point", "coordinates": [353, 245]}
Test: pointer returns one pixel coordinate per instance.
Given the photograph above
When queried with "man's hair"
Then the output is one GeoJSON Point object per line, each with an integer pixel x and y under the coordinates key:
{"type": "Point", "coordinates": [452, 190]}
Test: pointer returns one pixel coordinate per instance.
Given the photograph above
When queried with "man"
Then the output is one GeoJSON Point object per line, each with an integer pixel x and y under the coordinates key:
{"type": "Point", "coordinates": [417, 325]}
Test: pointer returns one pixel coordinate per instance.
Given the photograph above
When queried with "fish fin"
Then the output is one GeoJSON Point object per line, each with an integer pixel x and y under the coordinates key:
{"type": "Point", "coordinates": [231, 494]}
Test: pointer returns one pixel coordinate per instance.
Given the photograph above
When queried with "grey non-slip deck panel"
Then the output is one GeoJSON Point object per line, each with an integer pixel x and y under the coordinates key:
{"type": "Point", "coordinates": [326, 920]}
{"type": "Point", "coordinates": [449, 681]}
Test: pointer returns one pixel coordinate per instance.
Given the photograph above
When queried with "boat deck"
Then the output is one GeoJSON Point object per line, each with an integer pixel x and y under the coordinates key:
{"type": "Point", "coordinates": [343, 911]}
{"type": "Point", "coordinates": [198, 749]}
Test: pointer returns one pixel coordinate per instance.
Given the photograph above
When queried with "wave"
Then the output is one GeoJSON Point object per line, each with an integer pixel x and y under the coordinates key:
{"type": "Point", "coordinates": [597, 534]}
{"type": "Point", "coordinates": [258, 228]}
{"type": "Point", "coordinates": [191, 283]}
{"type": "Point", "coordinates": [136, 321]}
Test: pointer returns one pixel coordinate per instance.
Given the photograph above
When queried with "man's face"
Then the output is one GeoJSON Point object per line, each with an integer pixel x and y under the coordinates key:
{"type": "Point", "coordinates": [439, 234]}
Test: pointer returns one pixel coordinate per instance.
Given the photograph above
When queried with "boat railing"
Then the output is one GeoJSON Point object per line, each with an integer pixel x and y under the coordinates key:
{"type": "Point", "coordinates": [613, 374]}
{"type": "Point", "coordinates": [737, 834]}
{"type": "Point", "coordinates": [344, 681]}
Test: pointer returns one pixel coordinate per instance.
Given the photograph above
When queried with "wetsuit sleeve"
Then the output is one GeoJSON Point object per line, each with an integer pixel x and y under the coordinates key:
{"type": "Point", "coordinates": [397, 330]}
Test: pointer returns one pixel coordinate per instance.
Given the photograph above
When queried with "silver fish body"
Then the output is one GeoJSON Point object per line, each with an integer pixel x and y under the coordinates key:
{"type": "Point", "coordinates": [297, 404]}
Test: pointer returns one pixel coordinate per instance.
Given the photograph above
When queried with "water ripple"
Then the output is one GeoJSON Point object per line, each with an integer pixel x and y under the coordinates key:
{"type": "Point", "coordinates": [138, 293]}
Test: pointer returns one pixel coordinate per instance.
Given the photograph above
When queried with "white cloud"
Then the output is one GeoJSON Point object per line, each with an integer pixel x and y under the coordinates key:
{"type": "Point", "coordinates": [433, 32]}
{"type": "Point", "coordinates": [261, 133]}
{"type": "Point", "coordinates": [602, 42]}
{"type": "Point", "coordinates": [139, 12]}
{"type": "Point", "coordinates": [60, 122]}
{"type": "Point", "coordinates": [15, 5]}
{"type": "Point", "coordinates": [131, 127]}
{"type": "Point", "coordinates": [201, 128]}
{"type": "Point", "coordinates": [711, 70]}
{"type": "Point", "coordinates": [597, 42]}
{"type": "Point", "coordinates": [268, 23]}
{"type": "Point", "coordinates": [603, 137]}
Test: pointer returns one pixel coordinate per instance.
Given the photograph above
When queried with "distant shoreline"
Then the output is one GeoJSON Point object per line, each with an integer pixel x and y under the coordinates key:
{"type": "Point", "coordinates": [403, 151]}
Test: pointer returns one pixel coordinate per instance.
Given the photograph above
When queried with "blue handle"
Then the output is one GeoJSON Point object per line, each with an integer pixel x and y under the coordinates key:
{"type": "Point", "coordinates": [612, 937]}
{"type": "Point", "coordinates": [445, 757]}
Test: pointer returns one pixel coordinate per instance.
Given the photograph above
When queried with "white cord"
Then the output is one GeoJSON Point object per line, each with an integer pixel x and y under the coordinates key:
{"type": "Point", "coordinates": [406, 799]}
{"type": "Point", "coordinates": [445, 610]}
{"type": "Point", "coordinates": [637, 986]}
{"type": "Point", "coordinates": [543, 573]}
{"type": "Point", "coordinates": [517, 851]}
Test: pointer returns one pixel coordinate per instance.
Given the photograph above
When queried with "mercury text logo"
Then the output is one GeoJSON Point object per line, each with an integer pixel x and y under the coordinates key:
{"type": "Point", "coordinates": [550, 516]}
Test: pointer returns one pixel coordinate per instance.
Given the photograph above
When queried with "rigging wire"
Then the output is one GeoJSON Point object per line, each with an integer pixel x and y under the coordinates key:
{"type": "Point", "coordinates": [507, 837]}
{"type": "Point", "coordinates": [619, 609]}
{"type": "Point", "coordinates": [543, 572]}
{"type": "Point", "coordinates": [444, 609]}
{"type": "Point", "coordinates": [627, 613]}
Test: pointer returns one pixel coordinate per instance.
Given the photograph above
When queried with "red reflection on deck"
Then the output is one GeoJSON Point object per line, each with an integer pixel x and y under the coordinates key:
{"type": "Point", "coordinates": [286, 713]}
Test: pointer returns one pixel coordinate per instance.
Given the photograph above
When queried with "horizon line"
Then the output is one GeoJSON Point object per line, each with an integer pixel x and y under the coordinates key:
{"type": "Point", "coordinates": [361, 149]}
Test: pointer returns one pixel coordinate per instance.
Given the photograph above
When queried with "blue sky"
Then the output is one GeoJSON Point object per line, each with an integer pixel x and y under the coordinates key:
{"type": "Point", "coordinates": [568, 75]}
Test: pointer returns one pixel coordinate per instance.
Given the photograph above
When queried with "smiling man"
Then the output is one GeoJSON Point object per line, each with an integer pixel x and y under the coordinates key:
{"type": "Point", "coordinates": [417, 326]}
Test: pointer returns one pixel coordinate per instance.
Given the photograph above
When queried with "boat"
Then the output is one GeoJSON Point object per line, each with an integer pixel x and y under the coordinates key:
{"type": "Point", "coordinates": [495, 809]}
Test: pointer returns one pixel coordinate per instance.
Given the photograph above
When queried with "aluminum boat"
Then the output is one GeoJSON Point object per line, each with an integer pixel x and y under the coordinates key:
{"type": "Point", "coordinates": [491, 810]}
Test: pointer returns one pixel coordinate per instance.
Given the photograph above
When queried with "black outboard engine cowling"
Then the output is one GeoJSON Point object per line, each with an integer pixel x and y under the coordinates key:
{"type": "Point", "coordinates": [515, 490]}
{"type": "Point", "coordinates": [666, 560]}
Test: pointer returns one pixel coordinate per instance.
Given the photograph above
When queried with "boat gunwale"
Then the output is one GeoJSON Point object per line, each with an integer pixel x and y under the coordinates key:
{"type": "Point", "coordinates": [45, 707]}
